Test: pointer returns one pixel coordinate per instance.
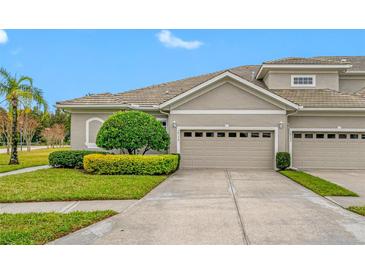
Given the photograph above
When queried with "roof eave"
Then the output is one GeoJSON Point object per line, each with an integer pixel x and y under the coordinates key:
{"type": "Point", "coordinates": [356, 109]}
{"type": "Point", "coordinates": [105, 106]}
{"type": "Point", "coordinates": [264, 67]}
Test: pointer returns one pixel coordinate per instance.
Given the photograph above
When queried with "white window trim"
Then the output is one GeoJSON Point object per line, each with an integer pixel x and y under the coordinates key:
{"type": "Point", "coordinates": [302, 75]}
{"type": "Point", "coordinates": [275, 129]}
{"type": "Point", "coordinates": [87, 133]}
{"type": "Point", "coordinates": [229, 111]}
{"type": "Point", "coordinates": [314, 130]}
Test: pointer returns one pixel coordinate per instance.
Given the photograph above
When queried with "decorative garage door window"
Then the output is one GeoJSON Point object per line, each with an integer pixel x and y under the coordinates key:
{"type": "Point", "coordinates": [329, 136]}
{"type": "Point", "coordinates": [227, 134]}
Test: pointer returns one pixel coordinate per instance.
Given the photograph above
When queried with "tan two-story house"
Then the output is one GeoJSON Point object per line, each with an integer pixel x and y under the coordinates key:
{"type": "Point", "coordinates": [313, 108]}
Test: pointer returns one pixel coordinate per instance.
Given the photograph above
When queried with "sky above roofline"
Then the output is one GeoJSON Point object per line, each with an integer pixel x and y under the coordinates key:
{"type": "Point", "coordinates": [72, 63]}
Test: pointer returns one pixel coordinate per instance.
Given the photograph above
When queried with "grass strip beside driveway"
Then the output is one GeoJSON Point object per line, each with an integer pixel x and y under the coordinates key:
{"type": "Point", "coordinates": [40, 228]}
{"type": "Point", "coordinates": [358, 209]}
{"type": "Point", "coordinates": [37, 157]}
{"type": "Point", "coordinates": [317, 185]}
{"type": "Point", "coordinates": [57, 184]}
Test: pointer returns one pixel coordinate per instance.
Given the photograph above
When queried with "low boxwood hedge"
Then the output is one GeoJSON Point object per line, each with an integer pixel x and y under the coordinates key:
{"type": "Point", "coordinates": [282, 160]}
{"type": "Point", "coordinates": [131, 164]}
{"type": "Point", "coordinates": [70, 158]}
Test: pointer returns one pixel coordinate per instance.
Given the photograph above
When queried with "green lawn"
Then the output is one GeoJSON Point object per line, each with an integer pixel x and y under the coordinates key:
{"type": "Point", "coordinates": [358, 209]}
{"type": "Point", "coordinates": [37, 157]}
{"type": "Point", "coordinates": [317, 185]}
{"type": "Point", "coordinates": [40, 228]}
{"type": "Point", "coordinates": [58, 184]}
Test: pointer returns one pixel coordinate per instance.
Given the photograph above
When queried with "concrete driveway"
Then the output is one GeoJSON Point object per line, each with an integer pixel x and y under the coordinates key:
{"type": "Point", "coordinates": [353, 180]}
{"type": "Point", "coordinates": [227, 207]}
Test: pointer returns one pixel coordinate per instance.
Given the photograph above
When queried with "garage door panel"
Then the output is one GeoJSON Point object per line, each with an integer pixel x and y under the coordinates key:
{"type": "Point", "coordinates": [227, 152]}
{"type": "Point", "coordinates": [329, 153]}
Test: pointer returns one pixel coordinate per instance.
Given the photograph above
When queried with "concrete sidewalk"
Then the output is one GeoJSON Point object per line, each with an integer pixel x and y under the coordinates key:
{"type": "Point", "coordinates": [24, 170]}
{"type": "Point", "coordinates": [353, 180]}
{"type": "Point", "coordinates": [66, 206]}
{"type": "Point", "coordinates": [3, 150]}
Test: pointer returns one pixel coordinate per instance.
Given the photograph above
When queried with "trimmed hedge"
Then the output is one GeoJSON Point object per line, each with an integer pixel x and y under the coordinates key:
{"type": "Point", "coordinates": [282, 160]}
{"type": "Point", "coordinates": [131, 164]}
{"type": "Point", "coordinates": [70, 158]}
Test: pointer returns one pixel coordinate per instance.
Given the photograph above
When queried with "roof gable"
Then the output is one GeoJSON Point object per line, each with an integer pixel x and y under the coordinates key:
{"type": "Point", "coordinates": [230, 75]}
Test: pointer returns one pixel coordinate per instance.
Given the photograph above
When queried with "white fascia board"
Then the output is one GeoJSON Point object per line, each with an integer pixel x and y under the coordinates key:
{"type": "Point", "coordinates": [238, 79]}
{"type": "Point", "coordinates": [326, 130]}
{"type": "Point", "coordinates": [361, 72]}
{"type": "Point", "coordinates": [229, 111]}
{"type": "Point", "coordinates": [107, 106]}
{"type": "Point", "coordinates": [332, 109]}
{"type": "Point", "coordinates": [302, 66]}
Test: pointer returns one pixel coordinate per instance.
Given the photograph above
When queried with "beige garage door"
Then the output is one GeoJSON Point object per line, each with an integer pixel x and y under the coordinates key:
{"type": "Point", "coordinates": [329, 150]}
{"type": "Point", "coordinates": [227, 149]}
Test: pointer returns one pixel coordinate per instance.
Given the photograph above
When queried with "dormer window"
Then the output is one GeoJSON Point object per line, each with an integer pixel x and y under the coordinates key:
{"type": "Point", "coordinates": [303, 80]}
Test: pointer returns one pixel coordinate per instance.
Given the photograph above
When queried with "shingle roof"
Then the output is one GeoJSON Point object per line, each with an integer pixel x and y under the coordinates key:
{"type": "Point", "coordinates": [321, 98]}
{"type": "Point", "coordinates": [158, 94]}
{"type": "Point", "coordinates": [306, 61]}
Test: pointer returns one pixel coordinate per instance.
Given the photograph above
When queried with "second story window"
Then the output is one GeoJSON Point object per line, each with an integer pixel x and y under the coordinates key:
{"type": "Point", "coordinates": [303, 81]}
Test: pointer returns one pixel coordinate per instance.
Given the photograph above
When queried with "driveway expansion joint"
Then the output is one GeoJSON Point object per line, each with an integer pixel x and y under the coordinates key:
{"type": "Point", "coordinates": [242, 224]}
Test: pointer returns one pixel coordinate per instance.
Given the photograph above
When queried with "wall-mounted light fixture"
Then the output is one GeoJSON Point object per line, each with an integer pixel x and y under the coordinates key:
{"type": "Point", "coordinates": [281, 124]}
{"type": "Point", "coordinates": [174, 124]}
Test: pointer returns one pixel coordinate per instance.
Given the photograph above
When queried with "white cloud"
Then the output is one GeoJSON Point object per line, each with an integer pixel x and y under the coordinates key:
{"type": "Point", "coordinates": [3, 37]}
{"type": "Point", "coordinates": [171, 41]}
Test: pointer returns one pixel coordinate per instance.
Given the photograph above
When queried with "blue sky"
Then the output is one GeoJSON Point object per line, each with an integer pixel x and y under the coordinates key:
{"type": "Point", "coordinates": [71, 63]}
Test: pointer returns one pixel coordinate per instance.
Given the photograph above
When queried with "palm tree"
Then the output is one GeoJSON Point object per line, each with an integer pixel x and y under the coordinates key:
{"type": "Point", "coordinates": [18, 91]}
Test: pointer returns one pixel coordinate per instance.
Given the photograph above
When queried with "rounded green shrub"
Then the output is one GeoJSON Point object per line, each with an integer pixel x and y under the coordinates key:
{"type": "Point", "coordinates": [131, 164]}
{"type": "Point", "coordinates": [134, 132]}
{"type": "Point", "coordinates": [69, 158]}
{"type": "Point", "coordinates": [282, 160]}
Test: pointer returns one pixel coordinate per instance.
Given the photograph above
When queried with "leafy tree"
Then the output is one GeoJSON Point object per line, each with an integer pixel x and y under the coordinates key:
{"type": "Point", "coordinates": [133, 131]}
{"type": "Point", "coordinates": [18, 91]}
{"type": "Point", "coordinates": [28, 126]}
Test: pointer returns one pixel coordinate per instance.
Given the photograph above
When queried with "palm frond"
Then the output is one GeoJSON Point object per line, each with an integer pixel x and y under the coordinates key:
{"type": "Point", "coordinates": [5, 74]}
{"type": "Point", "coordinates": [24, 79]}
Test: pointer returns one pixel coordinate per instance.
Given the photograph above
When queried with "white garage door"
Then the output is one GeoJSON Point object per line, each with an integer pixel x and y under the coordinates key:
{"type": "Point", "coordinates": [332, 150]}
{"type": "Point", "coordinates": [227, 149]}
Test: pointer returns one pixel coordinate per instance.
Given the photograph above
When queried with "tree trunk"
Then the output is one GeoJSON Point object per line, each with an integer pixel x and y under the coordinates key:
{"type": "Point", "coordinates": [29, 144]}
{"type": "Point", "coordinates": [14, 134]}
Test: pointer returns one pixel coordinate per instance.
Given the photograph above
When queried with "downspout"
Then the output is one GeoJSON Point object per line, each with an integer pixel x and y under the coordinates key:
{"type": "Point", "coordinates": [290, 135]}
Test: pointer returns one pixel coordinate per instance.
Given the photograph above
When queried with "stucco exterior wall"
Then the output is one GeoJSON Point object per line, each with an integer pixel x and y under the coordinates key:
{"type": "Point", "coordinates": [326, 122]}
{"type": "Point", "coordinates": [226, 96]}
{"type": "Point", "coordinates": [282, 80]}
{"type": "Point", "coordinates": [78, 128]}
{"type": "Point", "coordinates": [352, 84]}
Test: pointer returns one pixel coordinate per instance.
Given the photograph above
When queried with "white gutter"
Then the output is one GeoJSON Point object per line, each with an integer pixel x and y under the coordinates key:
{"type": "Point", "coordinates": [108, 106]}
{"type": "Point", "coordinates": [301, 66]}
{"type": "Point", "coordinates": [333, 109]}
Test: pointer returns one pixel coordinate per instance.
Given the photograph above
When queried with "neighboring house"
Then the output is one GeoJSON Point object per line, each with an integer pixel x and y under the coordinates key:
{"type": "Point", "coordinates": [313, 108]}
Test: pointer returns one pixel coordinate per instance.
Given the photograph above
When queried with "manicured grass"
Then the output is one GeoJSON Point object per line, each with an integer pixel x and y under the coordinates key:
{"type": "Point", "coordinates": [40, 228]}
{"type": "Point", "coordinates": [358, 209]}
{"type": "Point", "coordinates": [317, 185]}
{"type": "Point", "coordinates": [58, 184]}
{"type": "Point", "coordinates": [37, 157]}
